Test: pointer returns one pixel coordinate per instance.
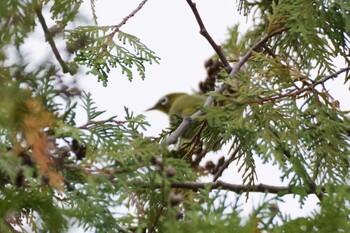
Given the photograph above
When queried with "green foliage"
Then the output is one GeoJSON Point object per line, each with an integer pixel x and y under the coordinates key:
{"type": "Point", "coordinates": [211, 217]}
{"type": "Point", "coordinates": [104, 175]}
{"type": "Point", "coordinates": [34, 202]}
{"type": "Point", "coordinates": [333, 217]}
{"type": "Point", "coordinates": [95, 48]}
{"type": "Point", "coordinates": [18, 19]}
{"type": "Point", "coordinates": [63, 11]}
{"type": "Point", "coordinates": [317, 31]}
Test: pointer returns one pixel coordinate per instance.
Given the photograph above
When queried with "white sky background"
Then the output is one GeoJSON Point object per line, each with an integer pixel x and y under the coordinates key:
{"type": "Point", "coordinates": [169, 28]}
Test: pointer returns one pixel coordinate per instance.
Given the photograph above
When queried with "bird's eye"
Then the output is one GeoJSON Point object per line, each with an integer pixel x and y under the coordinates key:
{"type": "Point", "coordinates": [164, 101]}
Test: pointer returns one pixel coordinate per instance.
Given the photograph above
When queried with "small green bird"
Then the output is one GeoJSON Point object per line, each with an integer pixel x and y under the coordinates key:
{"type": "Point", "coordinates": [179, 105]}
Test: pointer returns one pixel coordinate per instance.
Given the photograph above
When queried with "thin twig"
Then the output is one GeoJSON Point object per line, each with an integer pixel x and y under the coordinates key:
{"type": "Point", "coordinates": [302, 90]}
{"type": "Point", "coordinates": [193, 143]}
{"type": "Point", "coordinates": [50, 40]}
{"type": "Point", "coordinates": [132, 14]}
{"type": "Point", "coordinates": [226, 164]}
{"type": "Point", "coordinates": [89, 123]}
{"type": "Point", "coordinates": [269, 50]}
{"type": "Point", "coordinates": [255, 47]}
{"type": "Point", "coordinates": [237, 188]}
{"type": "Point", "coordinates": [203, 31]}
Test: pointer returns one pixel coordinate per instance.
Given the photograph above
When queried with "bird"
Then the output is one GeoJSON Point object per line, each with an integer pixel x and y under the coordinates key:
{"type": "Point", "coordinates": [178, 105]}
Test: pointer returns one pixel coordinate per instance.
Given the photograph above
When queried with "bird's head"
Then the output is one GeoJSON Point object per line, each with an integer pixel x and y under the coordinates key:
{"type": "Point", "coordinates": [166, 102]}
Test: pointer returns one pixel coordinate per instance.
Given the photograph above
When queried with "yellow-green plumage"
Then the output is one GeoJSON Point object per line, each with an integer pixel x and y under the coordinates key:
{"type": "Point", "coordinates": [179, 104]}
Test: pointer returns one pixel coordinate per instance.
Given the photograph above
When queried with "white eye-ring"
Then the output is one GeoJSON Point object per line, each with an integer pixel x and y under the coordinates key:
{"type": "Point", "coordinates": [164, 101]}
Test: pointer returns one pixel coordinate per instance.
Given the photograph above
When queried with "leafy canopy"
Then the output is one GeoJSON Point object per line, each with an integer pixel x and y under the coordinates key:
{"type": "Point", "coordinates": [272, 104]}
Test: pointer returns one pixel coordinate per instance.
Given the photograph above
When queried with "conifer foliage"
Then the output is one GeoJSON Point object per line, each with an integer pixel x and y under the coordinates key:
{"type": "Point", "coordinates": [267, 99]}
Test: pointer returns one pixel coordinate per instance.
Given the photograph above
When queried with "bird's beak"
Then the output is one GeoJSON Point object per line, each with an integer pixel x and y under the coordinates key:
{"type": "Point", "coordinates": [150, 109]}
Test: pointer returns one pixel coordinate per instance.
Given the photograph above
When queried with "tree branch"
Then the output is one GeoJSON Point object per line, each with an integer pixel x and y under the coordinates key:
{"type": "Point", "coordinates": [240, 188]}
{"type": "Point", "coordinates": [203, 31]}
{"type": "Point", "coordinates": [132, 14]}
{"type": "Point", "coordinates": [186, 123]}
{"type": "Point", "coordinates": [90, 123]}
{"type": "Point", "coordinates": [50, 40]}
{"type": "Point", "coordinates": [226, 164]}
{"type": "Point", "coordinates": [302, 90]}
{"type": "Point", "coordinates": [237, 188]}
